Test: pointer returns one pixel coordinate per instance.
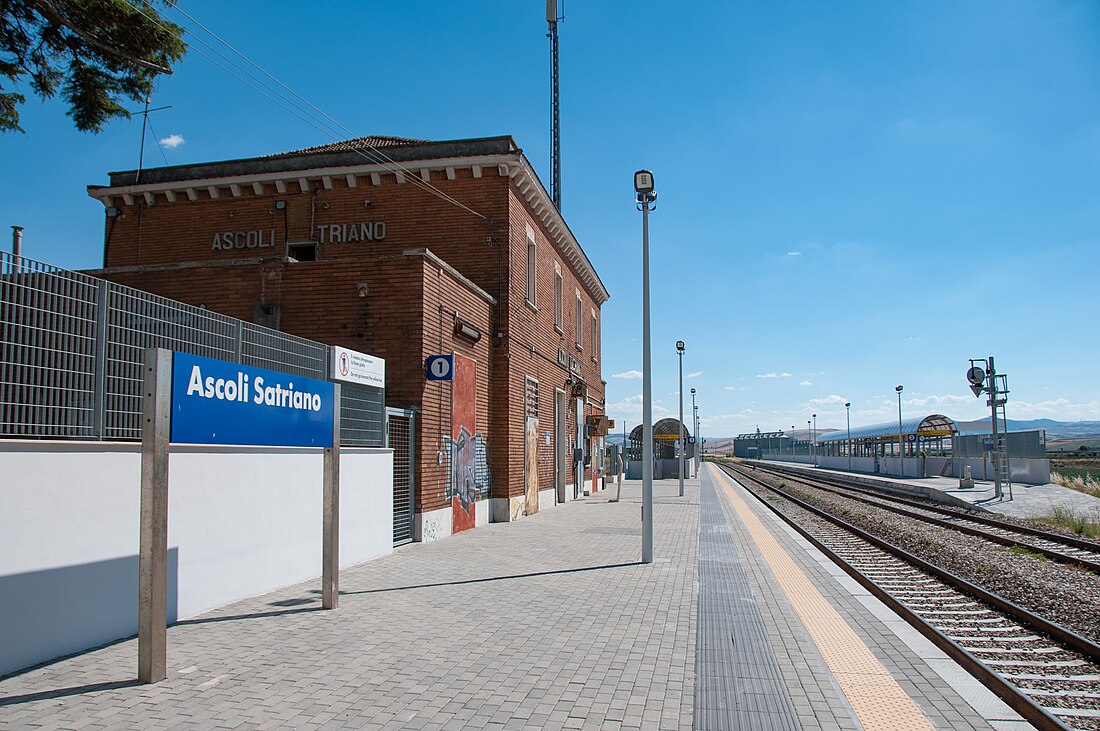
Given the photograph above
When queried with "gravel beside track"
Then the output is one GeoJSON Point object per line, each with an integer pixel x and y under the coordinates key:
{"type": "Point", "coordinates": [1062, 594]}
{"type": "Point", "coordinates": [1056, 678]}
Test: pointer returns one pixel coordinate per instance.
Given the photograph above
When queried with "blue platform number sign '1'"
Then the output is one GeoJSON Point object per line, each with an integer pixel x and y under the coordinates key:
{"type": "Point", "coordinates": [217, 402]}
{"type": "Point", "coordinates": [441, 367]}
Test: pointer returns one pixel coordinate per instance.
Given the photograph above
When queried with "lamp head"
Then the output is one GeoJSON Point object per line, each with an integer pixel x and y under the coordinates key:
{"type": "Point", "coordinates": [693, 392]}
{"type": "Point", "coordinates": [898, 388]}
{"type": "Point", "coordinates": [848, 405]}
{"type": "Point", "coordinates": [680, 345]}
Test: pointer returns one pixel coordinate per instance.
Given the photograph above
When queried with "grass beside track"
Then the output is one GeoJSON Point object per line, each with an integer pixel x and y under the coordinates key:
{"type": "Point", "coordinates": [1083, 523]}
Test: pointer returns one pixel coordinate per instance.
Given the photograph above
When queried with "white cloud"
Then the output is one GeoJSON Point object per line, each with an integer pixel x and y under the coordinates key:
{"type": "Point", "coordinates": [1061, 409]}
{"type": "Point", "coordinates": [172, 141]}
{"type": "Point", "coordinates": [694, 374]}
{"type": "Point", "coordinates": [628, 374]}
{"type": "Point", "coordinates": [829, 400]}
{"type": "Point", "coordinates": [774, 375]}
{"type": "Point", "coordinates": [806, 383]}
{"type": "Point", "coordinates": [729, 388]}
{"type": "Point", "coordinates": [794, 253]}
{"type": "Point", "coordinates": [630, 409]}
{"type": "Point", "coordinates": [937, 402]}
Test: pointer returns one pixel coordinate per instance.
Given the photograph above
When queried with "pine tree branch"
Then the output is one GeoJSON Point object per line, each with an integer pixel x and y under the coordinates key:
{"type": "Point", "coordinates": [47, 10]}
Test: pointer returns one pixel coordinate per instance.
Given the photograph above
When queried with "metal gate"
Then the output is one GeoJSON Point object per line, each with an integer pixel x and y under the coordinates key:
{"type": "Point", "coordinates": [401, 438]}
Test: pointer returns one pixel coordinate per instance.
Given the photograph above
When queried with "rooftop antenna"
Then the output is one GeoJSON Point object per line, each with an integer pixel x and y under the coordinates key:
{"type": "Point", "coordinates": [552, 20]}
{"type": "Point", "coordinates": [144, 123]}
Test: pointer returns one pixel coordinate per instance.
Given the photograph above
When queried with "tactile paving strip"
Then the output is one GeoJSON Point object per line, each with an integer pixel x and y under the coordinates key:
{"type": "Point", "coordinates": [875, 696]}
{"type": "Point", "coordinates": [738, 684]}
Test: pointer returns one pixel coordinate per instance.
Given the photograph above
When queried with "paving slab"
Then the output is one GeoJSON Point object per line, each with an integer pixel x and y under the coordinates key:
{"type": "Point", "coordinates": [549, 622]}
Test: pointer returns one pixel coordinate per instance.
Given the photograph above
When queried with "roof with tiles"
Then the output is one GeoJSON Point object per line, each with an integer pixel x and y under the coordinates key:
{"type": "Point", "coordinates": [359, 143]}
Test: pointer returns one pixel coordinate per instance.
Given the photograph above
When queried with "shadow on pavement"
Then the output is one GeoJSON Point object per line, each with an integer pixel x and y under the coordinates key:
{"type": "Point", "coordinates": [235, 617]}
{"type": "Point", "coordinates": [64, 692]}
{"type": "Point", "coordinates": [497, 578]}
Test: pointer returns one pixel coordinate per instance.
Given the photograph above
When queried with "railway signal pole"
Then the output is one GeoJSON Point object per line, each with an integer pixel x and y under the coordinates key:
{"type": "Point", "coordinates": [988, 381]}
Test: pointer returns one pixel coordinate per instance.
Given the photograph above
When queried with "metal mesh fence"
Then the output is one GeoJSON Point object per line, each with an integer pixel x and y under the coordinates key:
{"type": "Point", "coordinates": [400, 441]}
{"type": "Point", "coordinates": [73, 345]}
{"type": "Point", "coordinates": [1023, 444]}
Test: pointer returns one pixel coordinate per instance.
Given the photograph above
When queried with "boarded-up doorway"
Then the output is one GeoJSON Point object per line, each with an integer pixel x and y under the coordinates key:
{"type": "Point", "coordinates": [531, 447]}
{"type": "Point", "coordinates": [561, 446]}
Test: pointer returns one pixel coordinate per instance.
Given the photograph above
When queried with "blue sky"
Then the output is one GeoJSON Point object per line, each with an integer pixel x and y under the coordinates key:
{"type": "Point", "coordinates": [852, 195]}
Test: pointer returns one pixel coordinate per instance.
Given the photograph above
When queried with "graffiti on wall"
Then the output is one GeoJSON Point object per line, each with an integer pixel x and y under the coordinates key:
{"type": "Point", "coordinates": [515, 508]}
{"type": "Point", "coordinates": [467, 477]}
{"type": "Point", "coordinates": [468, 473]}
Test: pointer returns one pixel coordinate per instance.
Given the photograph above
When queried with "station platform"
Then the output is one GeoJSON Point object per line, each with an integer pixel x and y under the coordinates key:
{"type": "Point", "coordinates": [549, 622]}
{"type": "Point", "coordinates": [1018, 500]}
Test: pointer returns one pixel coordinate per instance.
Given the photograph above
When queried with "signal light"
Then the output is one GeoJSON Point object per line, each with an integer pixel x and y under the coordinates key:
{"type": "Point", "coordinates": [976, 376]}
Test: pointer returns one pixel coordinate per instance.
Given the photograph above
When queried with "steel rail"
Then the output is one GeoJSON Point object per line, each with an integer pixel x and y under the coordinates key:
{"type": "Point", "coordinates": [830, 487]}
{"type": "Point", "coordinates": [1013, 696]}
{"type": "Point", "coordinates": [1073, 541]}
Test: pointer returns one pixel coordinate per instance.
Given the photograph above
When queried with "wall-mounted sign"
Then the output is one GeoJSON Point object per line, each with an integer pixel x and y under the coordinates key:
{"type": "Point", "coordinates": [344, 233]}
{"type": "Point", "coordinates": [441, 367]}
{"type": "Point", "coordinates": [217, 402]}
{"type": "Point", "coordinates": [355, 367]}
{"type": "Point", "coordinates": [239, 240]}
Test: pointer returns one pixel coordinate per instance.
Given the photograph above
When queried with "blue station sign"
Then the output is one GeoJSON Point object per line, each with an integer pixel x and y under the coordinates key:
{"type": "Point", "coordinates": [217, 402]}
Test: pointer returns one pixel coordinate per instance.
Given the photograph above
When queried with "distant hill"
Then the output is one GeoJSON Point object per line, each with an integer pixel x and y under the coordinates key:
{"type": "Point", "coordinates": [1057, 432]}
{"type": "Point", "coordinates": [1054, 429]}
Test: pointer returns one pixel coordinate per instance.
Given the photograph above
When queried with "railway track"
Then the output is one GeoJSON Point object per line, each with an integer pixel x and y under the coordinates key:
{"type": "Point", "coordinates": [1055, 546]}
{"type": "Point", "coordinates": [1050, 675]}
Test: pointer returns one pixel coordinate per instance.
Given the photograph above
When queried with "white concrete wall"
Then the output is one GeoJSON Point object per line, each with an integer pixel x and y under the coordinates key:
{"type": "Point", "coordinates": [1028, 471]}
{"type": "Point", "coordinates": [241, 522]}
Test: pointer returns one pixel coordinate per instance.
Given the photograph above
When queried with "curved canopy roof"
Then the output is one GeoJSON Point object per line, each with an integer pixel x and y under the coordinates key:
{"type": "Point", "coordinates": [933, 425]}
{"type": "Point", "coordinates": [663, 431]}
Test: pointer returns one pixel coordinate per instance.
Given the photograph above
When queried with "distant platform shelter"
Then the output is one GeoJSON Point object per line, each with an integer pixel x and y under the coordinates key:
{"type": "Point", "coordinates": [919, 435]}
{"type": "Point", "coordinates": [666, 432]}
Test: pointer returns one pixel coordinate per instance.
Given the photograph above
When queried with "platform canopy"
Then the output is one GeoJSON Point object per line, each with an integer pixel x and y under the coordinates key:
{"type": "Point", "coordinates": [663, 431]}
{"type": "Point", "coordinates": [933, 425]}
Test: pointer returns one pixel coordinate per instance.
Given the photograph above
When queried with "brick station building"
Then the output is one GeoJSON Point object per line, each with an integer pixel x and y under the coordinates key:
{"type": "Point", "coordinates": [345, 246]}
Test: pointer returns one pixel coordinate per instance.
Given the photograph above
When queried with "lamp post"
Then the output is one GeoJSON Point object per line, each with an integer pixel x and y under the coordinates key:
{"type": "Point", "coordinates": [808, 442]}
{"type": "Point", "coordinates": [680, 436]}
{"type": "Point", "coordinates": [815, 440]}
{"type": "Point", "coordinates": [647, 196]}
{"type": "Point", "coordinates": [695, 452]}
{"type": "Point", "coordinates": [792, 442]}
{"type": "Point", "coordinates": [848, 418]}
{"type": "Point", "coordinates": [698, 442]}
{"type": "Point", "coordinates": [901, 445]}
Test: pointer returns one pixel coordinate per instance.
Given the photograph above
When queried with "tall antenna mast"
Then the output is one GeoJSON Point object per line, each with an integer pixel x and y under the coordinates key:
{"type": "Point", "coordinates": [552, 19]}
{"type": "Point", "coordinates": [144, 123]}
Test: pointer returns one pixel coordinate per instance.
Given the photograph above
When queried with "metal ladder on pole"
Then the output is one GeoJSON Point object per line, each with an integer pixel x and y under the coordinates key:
{"type": "Point", "coordinates": [998, 397]}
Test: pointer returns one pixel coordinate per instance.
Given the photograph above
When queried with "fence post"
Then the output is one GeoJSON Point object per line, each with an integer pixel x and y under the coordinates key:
{"type": "Point", "coordinates": [330, 529]}
{"type": "Point", "coordinates": [238, 342]}
{"type": "Point", "coordinates": [153, 542]}
{"type": "Point", "coordinates": [99, 390]}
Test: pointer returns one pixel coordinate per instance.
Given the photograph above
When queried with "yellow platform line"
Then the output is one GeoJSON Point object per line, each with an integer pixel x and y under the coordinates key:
{"type": "Point", "coordinates": [877, 699]}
